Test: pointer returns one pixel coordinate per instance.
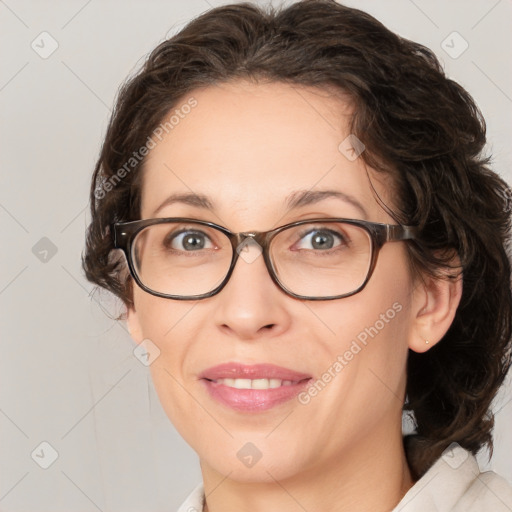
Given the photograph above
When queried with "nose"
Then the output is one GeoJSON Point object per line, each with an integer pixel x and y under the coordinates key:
{"type": "Point", "coordinates": [251, 305]}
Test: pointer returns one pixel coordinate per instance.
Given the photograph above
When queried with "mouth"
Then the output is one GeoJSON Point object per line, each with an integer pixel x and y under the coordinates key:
{"type": "Point", "coordinates": [253, 388]}
{"type": "Point", "coordinates": [256, 383]}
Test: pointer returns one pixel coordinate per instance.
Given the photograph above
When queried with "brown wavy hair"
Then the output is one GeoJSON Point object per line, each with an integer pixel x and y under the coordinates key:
{"type": "Point", "coordinates": [417, 125]}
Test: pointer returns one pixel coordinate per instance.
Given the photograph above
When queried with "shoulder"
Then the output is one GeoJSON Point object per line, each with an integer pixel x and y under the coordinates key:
{"type": "Point", "coordinates": [455, 484]}
{"type": "Point", "coordinates": [488, 491]}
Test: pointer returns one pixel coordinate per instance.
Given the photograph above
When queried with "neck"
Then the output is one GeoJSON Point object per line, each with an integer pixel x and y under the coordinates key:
{"type": "Point", "coordinates": [371, 476]}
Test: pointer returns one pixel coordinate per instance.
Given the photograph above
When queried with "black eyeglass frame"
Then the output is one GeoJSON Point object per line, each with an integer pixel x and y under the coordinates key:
{"type": "Point", "coordinates": [124, 234]}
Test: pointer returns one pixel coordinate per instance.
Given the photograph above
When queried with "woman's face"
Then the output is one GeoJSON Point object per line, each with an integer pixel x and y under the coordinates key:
{"type": "Point", "coordinates": [250, 148]}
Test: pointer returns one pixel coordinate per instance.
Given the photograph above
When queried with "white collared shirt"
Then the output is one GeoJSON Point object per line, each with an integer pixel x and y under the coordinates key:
{"type": "Point", "coordinates": [453, 484]}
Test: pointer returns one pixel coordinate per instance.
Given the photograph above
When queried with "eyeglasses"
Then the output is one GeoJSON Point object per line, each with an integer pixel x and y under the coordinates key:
{"type": "Point", "coordinates": [313, 259]}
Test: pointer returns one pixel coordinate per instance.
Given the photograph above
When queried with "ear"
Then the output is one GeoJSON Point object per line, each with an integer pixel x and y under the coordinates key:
{"type": "Point", "coordinates": [435, 302]}
{"type": "Point", "coordinates": [133, 323]}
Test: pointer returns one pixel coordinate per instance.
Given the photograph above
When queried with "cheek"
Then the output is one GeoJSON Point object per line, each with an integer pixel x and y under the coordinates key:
{"type": "Point", "coordinates": [166, 322]}
{"type": "Point", "coordinates": [385, 315]}
{"type": "Point", "coordinates": [380, 311]}
{"type": "Point", "coordinates": [368, 351]}
{"type": "Point", "coordinates": [169, 325]}
{"type": "Point", "coordinates": [368, 346]}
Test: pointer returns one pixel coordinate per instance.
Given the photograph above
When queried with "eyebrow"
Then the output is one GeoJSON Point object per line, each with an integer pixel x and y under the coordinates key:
{"type": "Point", "coordinates": [297, 199]}
{"type": "Point", "coordinates": [197, 200]}
{"type": "Point", "coordinates": [307, 197]}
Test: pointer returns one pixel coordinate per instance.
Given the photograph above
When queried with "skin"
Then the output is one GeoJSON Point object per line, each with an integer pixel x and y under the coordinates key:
{"type": "Point", "coordinates": [248, 147]}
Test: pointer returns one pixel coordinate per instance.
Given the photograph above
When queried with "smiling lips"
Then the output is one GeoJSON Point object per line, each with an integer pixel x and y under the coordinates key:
{"type": "Point", "coordinates": [253, 388]}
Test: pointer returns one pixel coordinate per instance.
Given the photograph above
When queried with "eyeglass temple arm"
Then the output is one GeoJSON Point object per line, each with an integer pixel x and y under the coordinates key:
{"type": "Point", "coordinates": [400, 232]}
{"type": "Point", "coordinates": [119, 236]}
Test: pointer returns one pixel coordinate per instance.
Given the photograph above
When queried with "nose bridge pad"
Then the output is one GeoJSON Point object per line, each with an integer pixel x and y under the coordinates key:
{"type": "Point", "coordinates": [248, 248]}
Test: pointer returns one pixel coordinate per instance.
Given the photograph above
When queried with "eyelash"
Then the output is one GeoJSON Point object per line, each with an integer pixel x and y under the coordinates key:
{"type": "Point", "coordinates": [342, 239]}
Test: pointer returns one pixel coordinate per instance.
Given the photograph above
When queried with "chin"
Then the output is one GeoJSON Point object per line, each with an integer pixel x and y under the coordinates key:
{"type": "Point", "coordinates": [257, 470]}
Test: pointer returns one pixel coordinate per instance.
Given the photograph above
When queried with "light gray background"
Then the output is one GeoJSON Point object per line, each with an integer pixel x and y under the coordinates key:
{"type": "Point", "coordinates": [68, 375]}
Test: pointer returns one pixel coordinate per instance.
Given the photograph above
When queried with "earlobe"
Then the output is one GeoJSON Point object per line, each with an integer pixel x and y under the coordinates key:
{"type": "Point", "coordinates": [435, 302]}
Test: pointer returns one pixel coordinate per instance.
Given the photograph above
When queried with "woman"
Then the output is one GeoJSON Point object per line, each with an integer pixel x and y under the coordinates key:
{"type": "Point", "coordinates": [293, 206]}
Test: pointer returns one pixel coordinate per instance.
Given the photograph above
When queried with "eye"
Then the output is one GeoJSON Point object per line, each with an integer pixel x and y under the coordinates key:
{"type": "Point", "coordinates": [320, 239]}
{"type": "Point", "coordinates": [188, 241]}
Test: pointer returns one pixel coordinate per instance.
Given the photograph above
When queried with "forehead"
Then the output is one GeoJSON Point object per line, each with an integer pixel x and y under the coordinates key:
{"type": "Point", "coordinates": [249, 146]}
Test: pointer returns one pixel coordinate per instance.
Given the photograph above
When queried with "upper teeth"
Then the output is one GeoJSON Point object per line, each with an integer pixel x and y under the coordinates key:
{"type": "Point", "coordinates": [254, 383]}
